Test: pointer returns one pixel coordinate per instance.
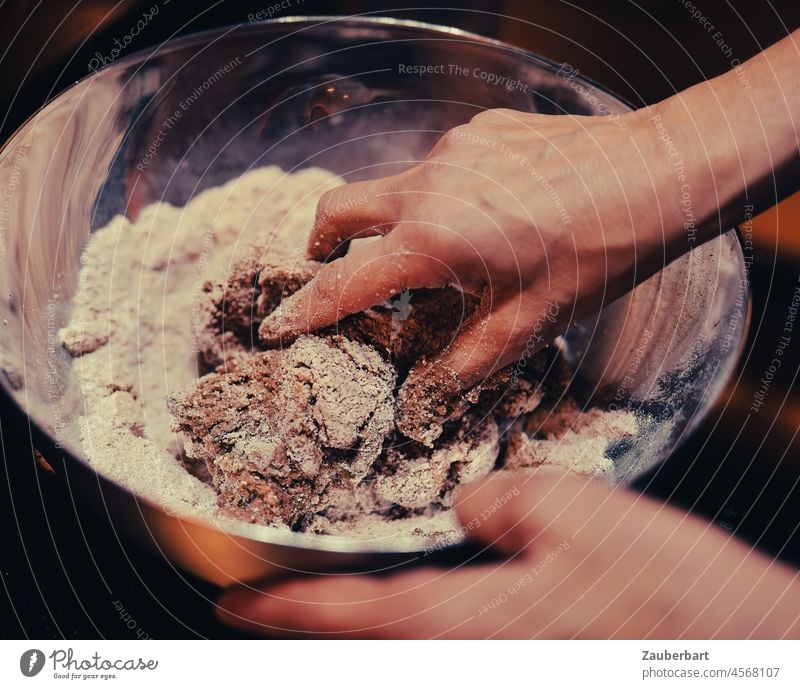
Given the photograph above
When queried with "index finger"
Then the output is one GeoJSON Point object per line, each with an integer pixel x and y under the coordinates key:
{"type": "Point", "coordinates": [420, 603]}
{"type": "Point", "coordinates": [358, 209]}
{"type": "Point", "coordinates": [366, 276]}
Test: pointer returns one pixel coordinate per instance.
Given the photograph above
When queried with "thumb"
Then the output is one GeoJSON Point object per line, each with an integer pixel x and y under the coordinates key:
{"type": "Point", "coordinates": [512, 512]}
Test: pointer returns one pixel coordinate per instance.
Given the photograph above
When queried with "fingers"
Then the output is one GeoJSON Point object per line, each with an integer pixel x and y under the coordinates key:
{"type": "Point", "coordinates": [489, 341]}
{"type": "Point", "coordinates": [493, 338]}
{"type": "Point", "coordinates": [359, 209]}
{"type": "Point", "coordinates": [364, 277]}
{"type": "Point", "coordinates": [422, 603]}
{"type": "Point", "coordinates": [510, 512]}
{"type": "Point", "coordinates": [470, 601]}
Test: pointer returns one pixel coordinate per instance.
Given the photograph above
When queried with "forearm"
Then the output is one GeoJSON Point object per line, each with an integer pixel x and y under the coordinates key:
{"type": "Point", "coordinates": [737, 140]}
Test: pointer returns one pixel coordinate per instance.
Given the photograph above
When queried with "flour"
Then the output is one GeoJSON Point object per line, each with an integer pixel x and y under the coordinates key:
{"type": "Point", "coordinates": [304, 437]}
{"type": "Point", "coordinates": [135, 312]}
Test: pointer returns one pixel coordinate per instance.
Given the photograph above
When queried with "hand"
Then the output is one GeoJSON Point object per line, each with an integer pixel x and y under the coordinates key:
{"type": "Point", "coordinates": [529, 211]}
{"type": "Point", "coordinates": [534, 214]}
{"type": "Point", "coordinates": [580, 559]}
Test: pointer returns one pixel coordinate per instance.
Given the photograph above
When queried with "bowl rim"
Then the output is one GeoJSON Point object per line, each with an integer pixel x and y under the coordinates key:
{"type": "Point", "coordinates": [264, 534]}
{"type": "Point", "coordinates": [311, 21]}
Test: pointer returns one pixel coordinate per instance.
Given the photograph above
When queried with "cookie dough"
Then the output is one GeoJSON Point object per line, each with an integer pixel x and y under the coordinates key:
{"type": "Point", "coordinates": [280, 431]}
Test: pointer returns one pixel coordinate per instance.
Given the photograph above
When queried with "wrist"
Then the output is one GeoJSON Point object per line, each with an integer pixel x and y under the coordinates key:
{"type": "Point", "coordinates": [736, 139]}
{"type": "Point", "coordinates": [690, 168]}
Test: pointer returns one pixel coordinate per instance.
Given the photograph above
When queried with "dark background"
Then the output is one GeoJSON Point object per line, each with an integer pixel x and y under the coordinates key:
{"type": "Point", "coordinates": [63, 569]}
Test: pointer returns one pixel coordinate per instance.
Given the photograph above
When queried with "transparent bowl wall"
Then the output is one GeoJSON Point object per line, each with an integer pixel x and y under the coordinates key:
{"type": "Point", "coordinates": [666, 350]}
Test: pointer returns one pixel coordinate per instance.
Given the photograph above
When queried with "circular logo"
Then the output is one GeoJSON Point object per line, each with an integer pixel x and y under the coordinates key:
{"type": "Point", "coordinates": [31, 662]}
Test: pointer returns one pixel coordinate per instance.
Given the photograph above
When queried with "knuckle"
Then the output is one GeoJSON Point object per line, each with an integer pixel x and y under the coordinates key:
{"type": "Point", "coordinates": [324, 215]}
{"type": "Point", "coordinates": [490, 115]}
{"type": "Point", "coordinates": [325, 206]}
{"type": "Point", "coordinates": [483, 116]}
{"type": "Point", "coordinates": [342, 202]}
{"type": "Point", "coordinates": [421, 177]}
{"type": "Point", "coordinates": [497, 115]}
{"type": "Point", "coordinates": [427, 242]}
{"type": "Point", "coordinates": [415, 247]}
{"type": "Point", "coordinates": [409, 237]}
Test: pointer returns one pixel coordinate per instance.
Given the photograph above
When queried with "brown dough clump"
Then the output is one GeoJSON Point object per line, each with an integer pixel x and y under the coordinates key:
{"type": "Point", "coordinates": [406, 328]}
{"type": "Point", "coordinates": [416, 477]}
{"type": "Point", "coordinates": [508, 393]}
{"type": "Point", "coordinates": [279, 432]}
{"type": "Point", "coordinates": [318, 433]}
{"type": "Point", "coordinates": [412, 324]}
{"type": "Point", "coordinates": [232, 309]}
{"type": "Point", "coordinates": [410, 479]}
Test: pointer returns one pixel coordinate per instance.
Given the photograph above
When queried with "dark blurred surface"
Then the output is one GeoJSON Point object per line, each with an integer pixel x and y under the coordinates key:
{"type": "Point", "coordinates": [65, 573]}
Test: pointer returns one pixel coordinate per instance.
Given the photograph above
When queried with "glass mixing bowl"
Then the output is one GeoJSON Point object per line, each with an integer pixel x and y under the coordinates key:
{"type": "Point", "coordinates": [333, 93]}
